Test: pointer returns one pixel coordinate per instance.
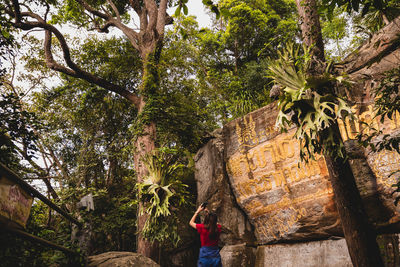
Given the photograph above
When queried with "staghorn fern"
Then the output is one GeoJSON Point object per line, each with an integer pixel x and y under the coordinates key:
{"type": "Point", "coordinates": [161, 191]}
{"type": "Point", "coordinates": [302, 104]}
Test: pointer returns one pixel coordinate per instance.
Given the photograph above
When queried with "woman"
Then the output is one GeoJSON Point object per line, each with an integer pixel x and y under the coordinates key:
{"type": "Point", "coordinates": [209, 235]}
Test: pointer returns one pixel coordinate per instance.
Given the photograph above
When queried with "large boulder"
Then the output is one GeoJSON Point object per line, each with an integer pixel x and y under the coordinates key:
{"type": "Point", "coordinates": [120, 259]}
{"type": "Point", "coordinates": [213, 186]}
{"type": "Point", "coordinates": [286, 199]}
{"type": "Point", "coordinates": [283, 198]}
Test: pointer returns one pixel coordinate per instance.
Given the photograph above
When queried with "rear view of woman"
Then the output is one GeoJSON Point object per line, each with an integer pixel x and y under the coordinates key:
{"type": "Point", "coordinates": [209, 232]}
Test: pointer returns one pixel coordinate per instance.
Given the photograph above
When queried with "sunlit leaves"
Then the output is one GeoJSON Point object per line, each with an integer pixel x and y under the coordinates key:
{"type": "Point", "coordinates": [386, 107]}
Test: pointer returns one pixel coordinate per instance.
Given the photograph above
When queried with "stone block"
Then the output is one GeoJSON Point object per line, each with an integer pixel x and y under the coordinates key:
{"type": "Point", "coordinates": [327, 253]}
{"type": "Point", "coordinates": [238, 256]}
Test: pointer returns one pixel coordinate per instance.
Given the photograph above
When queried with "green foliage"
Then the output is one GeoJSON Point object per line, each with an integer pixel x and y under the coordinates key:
{"type": "Point", "coordinates": [388, 95]}
{"type": "Point", "coordinates": [308, 103]}
{"type": "Point", "coordinates": [360, 24]}
{"type": "Point", "coordinates": [180, 107]}
{"type": "Point", "coordinates": [15, 251]}
{"type": "Point", "coordinates": [162, 193]}
{"type": "Point", "coordinates": [16, 129]}
{"type": "Point", "coordinates": [336, 33]}
{"type": "Point", "coordinates": [181, 5]}
{"type": "Point", "coordinates": [351, 5]}
{"type": "Point", "coordinates": [71, 11]}
{"type": "Point", "coordinates": [149, 88]}
{"type": "Point", "coordinates": [213, 7]}
{"type": "Point", "coordinates": [234, 52]}
{"type": "Point", "coordinates": [112, 225]}
{"type": "Point", "coordinates": [387, 99]}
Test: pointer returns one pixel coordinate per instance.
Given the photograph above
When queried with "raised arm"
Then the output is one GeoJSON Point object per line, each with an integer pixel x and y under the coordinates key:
{"type": "Point", "coordinates": [192, 223]}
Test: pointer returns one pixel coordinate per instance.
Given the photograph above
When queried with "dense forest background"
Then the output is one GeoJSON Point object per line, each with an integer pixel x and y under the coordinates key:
{"type": "Point", "coordinates": [70, 136]}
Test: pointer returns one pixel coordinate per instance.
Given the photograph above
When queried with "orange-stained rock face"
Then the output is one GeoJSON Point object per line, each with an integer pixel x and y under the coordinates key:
{"type": "Point", "coordinates": [286, 199]}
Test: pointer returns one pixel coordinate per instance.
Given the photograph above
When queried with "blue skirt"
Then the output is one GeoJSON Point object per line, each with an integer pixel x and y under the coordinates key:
{"type": "Point", "coordinates": [209, 257]}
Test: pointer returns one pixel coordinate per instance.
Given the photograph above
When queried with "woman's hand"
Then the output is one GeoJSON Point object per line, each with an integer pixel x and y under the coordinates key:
{"type": "Point", "coordinates": [199, 209]}
{"type": "Point", "coordinates": [192, 223]}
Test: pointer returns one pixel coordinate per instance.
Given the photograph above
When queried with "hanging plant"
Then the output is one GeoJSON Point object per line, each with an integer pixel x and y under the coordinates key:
{"type": "Point", "coordinates": [163, 192]}
{"type": "Point", "coordinates": [308, 102]}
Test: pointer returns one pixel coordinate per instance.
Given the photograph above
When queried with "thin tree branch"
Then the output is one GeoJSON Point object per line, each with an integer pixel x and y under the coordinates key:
{"type": "Point", "coordinates": [93, 10]}
{"type": "Point", "coordinates": [104, 28]}
{"type": "Point", "coordinates": [111, 21]}
{"type": "Point", "coordinates": [136, 6]}
{"type": "Point", "coordinates": [161, 20]}
{"type": "Point", "coordinates": [115, 9]}
{"type": "Point", "coordinates": [73, 69]}
{"type": "Point", "coordinates": [40, 172]}
{"type": "Point", "coordinates": [151, 8]}
{"type": "Point", "coordinates": [17, 11]}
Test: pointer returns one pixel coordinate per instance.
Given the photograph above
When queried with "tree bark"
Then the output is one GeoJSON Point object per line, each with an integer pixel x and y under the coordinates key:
{"type": "Point", "coordinates": [359, 233]}
{"type": "Point", "coordinates": [144, 144]}
{"type": "Point", "coordinates": [145, 141]}
{"type": "Point", "coordinates": [310, 27]}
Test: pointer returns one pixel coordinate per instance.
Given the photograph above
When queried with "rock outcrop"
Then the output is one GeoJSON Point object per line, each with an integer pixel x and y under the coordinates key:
{"type": "Point", "coordinates": [120, 259]}
{"type": "Point", "coordinates": [251, 173]}
{"type": "Point", "coordinates": [213, 186]}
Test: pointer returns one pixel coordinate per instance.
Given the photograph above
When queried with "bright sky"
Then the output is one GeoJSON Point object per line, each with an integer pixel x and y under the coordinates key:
{"type": "Point", "coordinates": [197, 9]}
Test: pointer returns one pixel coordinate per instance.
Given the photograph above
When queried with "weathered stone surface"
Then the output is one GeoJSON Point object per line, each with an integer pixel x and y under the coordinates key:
{"type": "Point", "coordinates": [120, 259]}
{"type": "Point", "coordinates": [187, 251]}
{"type": "Point", "coordinates": [213, 186]}
{"type": "Point", "coordinates": [327, 253]}
{"type": "Point", "coordinates": [185, 257]}
{"type": "Point", "coordinates": [283, 201]}
{"type": "Point", "coordinates": [288, 200]}
{"type": "Point", "coordinates": [238, 256]}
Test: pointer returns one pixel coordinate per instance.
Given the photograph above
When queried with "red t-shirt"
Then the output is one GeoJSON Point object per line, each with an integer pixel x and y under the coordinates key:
{"type": "Point", "coordinates": [204, 235]}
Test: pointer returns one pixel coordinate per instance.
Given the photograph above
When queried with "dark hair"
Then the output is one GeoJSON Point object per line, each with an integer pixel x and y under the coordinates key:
{"type": "Point", "coordinates": [210, 222]}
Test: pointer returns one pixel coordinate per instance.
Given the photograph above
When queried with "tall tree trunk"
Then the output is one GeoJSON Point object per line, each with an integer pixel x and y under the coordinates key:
{"type": "Point", "coordinates": [146, 138]}
{"type": "Point", "coordinates": [144, 144]}
{"type": "Point", "coordinates": [359, 234]}
{"type": "Point", "coordinates": [310, 27]}
{"type": "Point", "coordinates": [358, 231]}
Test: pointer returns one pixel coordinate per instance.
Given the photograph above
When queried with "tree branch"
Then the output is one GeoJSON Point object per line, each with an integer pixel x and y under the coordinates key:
{"type": "Point", "coordinates": [111, 21]}
{"type": "Point", "coordinates": [135, 4]}
{"type": "Point", "coordinates": [115, 9]}
{"type": "Point", "coordinates": [161, 20]}
{"type": "Point", "coordinates": [93, 10]}
{"type": "Point", "coordinates": [151, 8]}
{"type": "Point", "coordinates": [73, 69]}
{"type": "Point", "coordinates": [40, 172]}
{"type": "Point", "coordinates": [17, 11]}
